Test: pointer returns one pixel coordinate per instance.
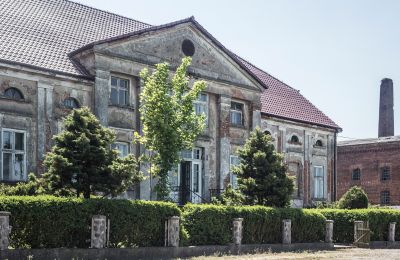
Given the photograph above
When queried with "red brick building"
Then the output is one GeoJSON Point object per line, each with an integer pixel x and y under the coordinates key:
{"type": "Point", "coordinates": [373, 164]}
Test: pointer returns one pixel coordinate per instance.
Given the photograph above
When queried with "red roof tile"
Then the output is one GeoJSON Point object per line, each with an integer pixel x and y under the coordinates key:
{"type": "Point", "coordinates": [41, 34]}
{"type": "Point", "coordinates": [283, 101]}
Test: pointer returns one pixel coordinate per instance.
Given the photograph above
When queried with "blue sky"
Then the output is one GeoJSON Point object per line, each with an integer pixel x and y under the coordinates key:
{"type": "Point", "coordinates": [334, 52]}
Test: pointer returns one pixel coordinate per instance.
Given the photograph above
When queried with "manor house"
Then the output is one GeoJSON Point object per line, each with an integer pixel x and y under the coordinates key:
{"type": "Point", "coordinates": [57, 55]}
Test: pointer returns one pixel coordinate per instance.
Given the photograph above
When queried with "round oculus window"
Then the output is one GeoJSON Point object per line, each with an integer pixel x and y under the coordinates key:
{"type": "Point", "coordinates": [188, 47]}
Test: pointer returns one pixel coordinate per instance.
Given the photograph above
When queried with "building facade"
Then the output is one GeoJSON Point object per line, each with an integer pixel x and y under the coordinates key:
{"type": "Point", "coordinates": [373, 163]}
{"type": "Point", "coordinates": [52, 62]}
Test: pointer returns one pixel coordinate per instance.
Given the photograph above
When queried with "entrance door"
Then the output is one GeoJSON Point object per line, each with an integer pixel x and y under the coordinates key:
{"type": "Point", "coordinates": [185, 185]}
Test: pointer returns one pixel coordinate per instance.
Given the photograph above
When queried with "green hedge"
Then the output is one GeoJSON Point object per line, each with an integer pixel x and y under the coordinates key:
{"type": "Point", "coordinates": [379, 219]}
{"type": "Point", "coordinates": [49, 222]}
{"type": "Point", "coordinates": [212, 225]}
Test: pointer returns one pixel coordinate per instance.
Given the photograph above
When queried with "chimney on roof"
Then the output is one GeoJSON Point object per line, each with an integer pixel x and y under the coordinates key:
{"type": "Point", "coordinates": [386, 114]}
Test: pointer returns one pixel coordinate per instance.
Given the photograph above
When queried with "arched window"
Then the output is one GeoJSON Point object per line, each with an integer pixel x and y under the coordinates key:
{"type": "Point", "coordinates": [318, 143]}
{"type": "Point", "coordinates": [13, 93]}
{"type": "Point", "coordinates": [71, 103]}
{"type": "Point", "coordinates": [267, 133]}
{"type": "Point", "coordinates": [294, 139]}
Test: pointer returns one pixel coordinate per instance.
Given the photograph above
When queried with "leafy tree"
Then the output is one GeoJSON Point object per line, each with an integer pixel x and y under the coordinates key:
{"type": "Point", "coordinates": [169, 121]}
{"type": "Point", "coordinates": [354, 198]}
{"type": "Point", "coordinates": [82, 159]}
{"type": "Point", "coordinates": [262, 174]}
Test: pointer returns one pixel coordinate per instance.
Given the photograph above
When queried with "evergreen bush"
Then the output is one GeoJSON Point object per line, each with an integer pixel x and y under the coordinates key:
{"type": "Point", "coordinates": [354, 198]}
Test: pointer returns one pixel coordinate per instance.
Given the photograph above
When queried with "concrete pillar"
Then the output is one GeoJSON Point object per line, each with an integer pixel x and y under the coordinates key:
{"type": "Point", "coordinates": [102, 95]}
{"type": "Point", "coordinates": [172, 231]}
{"type": "Point", "coordinates": [44, 115]}
{"type": "Point", "coordinates": [392, 231]}
{"type": "Point", "coordinates": [224, 107]}
{"type": "Point", "coordinates": [5, 229]}
{"type": "Point", "coordinates": [99, 232]}
{"type": "Point", "coordinates": [256, 120]}
{"type": "Point", "coordinates": [287, 231]}
{"type": "Point", "coordinates": [237, 231]}
{"type": "Point", "coordinates": [357, 224]}
{"type": "Point", "coordinates": [329, 231]}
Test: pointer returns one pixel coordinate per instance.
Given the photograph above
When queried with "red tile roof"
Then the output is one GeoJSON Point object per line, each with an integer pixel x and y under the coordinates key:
{"type": "Point", "coordinates": [281, 100]}
{"type": "Point", "coordinates": [41, 34]}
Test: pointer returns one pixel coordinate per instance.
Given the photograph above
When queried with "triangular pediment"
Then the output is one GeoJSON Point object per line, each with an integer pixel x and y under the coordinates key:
{"type": "Point", "coordinates": [209, 60]}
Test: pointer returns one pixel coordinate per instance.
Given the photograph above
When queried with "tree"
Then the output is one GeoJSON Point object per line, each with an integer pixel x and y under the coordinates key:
{"type": "Point", "coordinates": [354, 198]}
{"type": "Point", "coordinates": [229, 197]}
{"type": "Point", "coordinates": [169, 121]}
{"type": "Point", "coordinates": [82, 159]}
{"type": "Point", "coordinates": [262, 174]}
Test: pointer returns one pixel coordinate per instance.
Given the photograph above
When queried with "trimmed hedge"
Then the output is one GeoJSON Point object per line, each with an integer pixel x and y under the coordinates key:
{"type": "Point", "coordinates": [212, 225]}
{"type": "Point", "coordinates": [379, 219]}
{"type": "Point", "coordinates": [50, 222]}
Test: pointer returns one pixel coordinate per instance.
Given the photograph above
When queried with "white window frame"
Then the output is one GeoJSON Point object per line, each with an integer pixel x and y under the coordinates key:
{"type": "Point", "coordinates": [237, 111]}
{"type": "Point", "coordinates": [319, 183]}
{"type": "Point", "coordinates": [128, 92]}
{"type": "Point", "coordinates": [13, 152]}
{"type": "Point", "coordinates": [122, 143]}
{"type": "Point", "coordinates": [233, 177]}
{"type": "Point", "coordinates": [202, 103]}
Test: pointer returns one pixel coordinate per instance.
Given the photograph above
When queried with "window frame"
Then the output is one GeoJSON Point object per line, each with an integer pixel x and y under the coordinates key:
{"type": "Point", "coordinates": [118, 88]}
{"type": "Point", "coordinates": [121, 143]}
{"type": "Point", "coordinates": [385, 176]}
{"type": "Point", "coordinates": [356, 173]}
{"type": "Point", "coordinates": [233, 177]}
{"type": "Point", "coordinates": [239, 111]}
{"type": "Point", "coordinates": [199, 102]}
{"type": "Point", "coordinates": [321, 180]}
{"type": "Point", "coordinates": [13, 153]}
{"type": "Point", "coordinates": [73, 100]}
{"type": "Point", "coordinates": [17, 91]}
{"type": "Point", "coordinates": [384, 197]}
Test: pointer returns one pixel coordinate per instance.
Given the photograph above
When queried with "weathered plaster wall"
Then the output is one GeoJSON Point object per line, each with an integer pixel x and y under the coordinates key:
{"type": "Point", "coordinates": [301, 156]}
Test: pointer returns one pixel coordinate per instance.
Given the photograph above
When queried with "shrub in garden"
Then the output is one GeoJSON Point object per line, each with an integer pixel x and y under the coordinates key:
{"type": "Point", "coordinates": [51, 222]}
{"type": "Point", "coordinates": [354, 198]}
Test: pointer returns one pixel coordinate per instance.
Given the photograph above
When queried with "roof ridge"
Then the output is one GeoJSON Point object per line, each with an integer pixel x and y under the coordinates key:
{"type": "Point", "coordinates": [104, 11]}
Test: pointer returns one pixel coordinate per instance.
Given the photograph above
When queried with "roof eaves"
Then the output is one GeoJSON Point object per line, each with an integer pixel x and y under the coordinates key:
{"type": "Point", "coordinates": [336, 127]}
{"type": "Point", "coordinates": [30, 66]}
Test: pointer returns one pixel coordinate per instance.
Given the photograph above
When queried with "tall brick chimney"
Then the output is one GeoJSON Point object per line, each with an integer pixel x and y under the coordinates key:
{"type": "Point", "coordinates": [386, 117]}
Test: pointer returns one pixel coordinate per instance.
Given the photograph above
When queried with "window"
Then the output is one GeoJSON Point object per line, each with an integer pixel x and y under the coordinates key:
{"type": "Point", "coordinates": [236, 113]}
{"type": "Point", "coordinates": [267, 133]}
{"type": "Point", "coordinates": [319, 182]}
{"type": "Point", "coordinates": [356, 174]}
{"type": "Point", "coordinates": [13, 93]}
{"type": "Point", "coordinates": [234, 161]}
{"type": "Point", "coordinates": [200, 106]}
{"type": "Point", "coordinates": [294, 139]}
{"type": "Point", "coordinates": [122, 148]}
{"type": "Point", "coordinates": [71, 103]}
{"type": "Point", "coordinates": [196, 177]}
{"type": "Point", "coordinates": [385, 173]}
{"type": "Point", "coordinates": [318, 143]}
{"type": "Point", "coordinates": [13, 155]}
{"type": "Point", "coordinates": [119, 91]}
{"type": "Point", "coordinates": [385, 197]}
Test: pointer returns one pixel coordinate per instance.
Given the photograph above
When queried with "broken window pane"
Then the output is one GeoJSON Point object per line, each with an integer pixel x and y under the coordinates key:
{"type": "Point", "coordinates": [6, 140]}
{"type": "Point", "coordinates": [19, 167]}
{"type": "Point", "coordinates": [19, 141]}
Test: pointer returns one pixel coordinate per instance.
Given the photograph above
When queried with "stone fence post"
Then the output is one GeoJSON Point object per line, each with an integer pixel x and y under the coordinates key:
{"type": "Point", "coordinates": [172, 231]}
{"type": "Point", "coordinates": [99, 231]}
{"type": "Point", "coordinates": [237, 231]}
{"type": "Point", "coordinates": [329, 231]}
{"type": "Point", "coordinates": [5, 229]}
{"type": "Point", "coordinates": [392, 231]}
{"type": "Point", "coordinates": [287, 231]}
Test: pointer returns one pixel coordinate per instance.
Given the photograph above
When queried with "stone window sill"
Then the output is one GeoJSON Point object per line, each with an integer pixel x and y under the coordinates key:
{"type": "Point", "coordinates": [129, 107]}
{"type": "Point", "coordinates": [15, 100]}
{"type": "Point", "coordinates": [238, 126]}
